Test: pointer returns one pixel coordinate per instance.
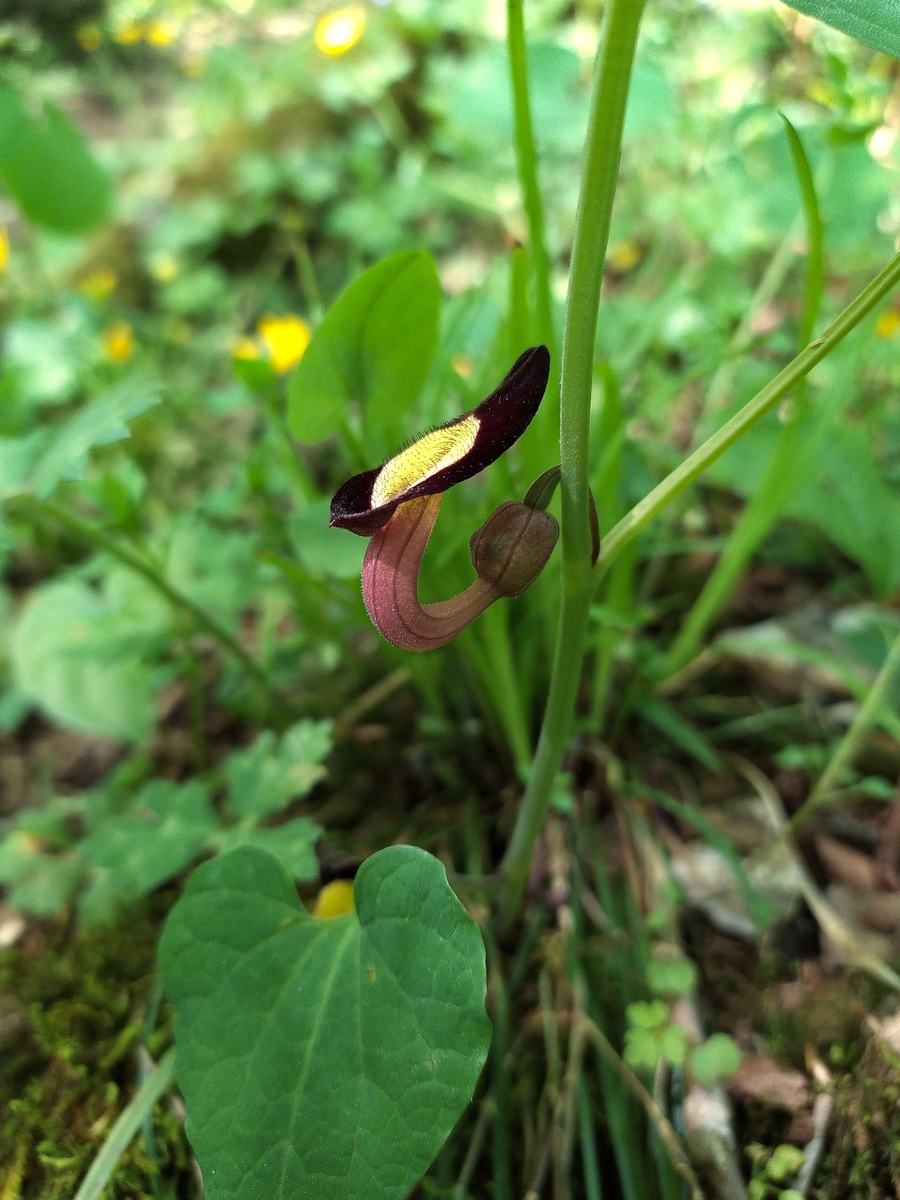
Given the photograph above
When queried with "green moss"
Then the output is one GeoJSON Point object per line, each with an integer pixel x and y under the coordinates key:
{"type": "Point", "coordinates": [75, 1005]}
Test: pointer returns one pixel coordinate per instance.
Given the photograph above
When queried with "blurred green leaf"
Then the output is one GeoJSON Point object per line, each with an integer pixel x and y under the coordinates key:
{"type": "Point", "coordinates": [359, 1038]}
{"type": "Point", "coordinates": [217, 568]}
{"type": "Point", "coordinates": [48, 169]}
{"type": "Point", "coordinates": [334, 553]}
{"type": "Point", "coordinates": [875, 23]}
{"type": "Point", "coordinates": [48, 886]}
{"type": "Point", "coordinates": [374, 347]}
{"type": "Point", "coordinates": [717, 1057]}
{"type": "Point", "coordinates": [269, 774]}
{"type": "Point", "coordinates": [671, 975]}
{"type": "Point", "coordinates": [166, 826]}
{"type": "Point", "coordinates": [102, 421]}
{"type": "Point", "coordinates": [292, 843]}
{"type": "Point", "coordinates": [40, 359]}
{"type": "Point", "coordinates": [839, 489]}
{"type": "Point", "coordinates": [57, 651]}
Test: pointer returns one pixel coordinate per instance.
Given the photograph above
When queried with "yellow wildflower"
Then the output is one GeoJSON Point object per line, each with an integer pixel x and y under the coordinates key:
{"type": "Point", "coordinates": [285, 339]}
{"type": "Point", "coordinates": [89, 37]}
{"type": "Point", "coordinates": [247, 349]}
{"type": "Point", "coordinates": [98, 285]}
{"type": "Point", "coordinates": [339, 31]}
{"type": "Point", "coordinates": [164, 268]}
{"type": "Point", "coordinates": [334, 899]}
{"type": "Point", "coordinates": [118, 342]}
{"type": "Point", "coordinates": [888, 324]}
{"type": "Point", "coordinates": [128, 34]}
{"type": "Point", "coordinates": [624, 255]}
{"type": "Point", "coordinates": [159, 33]}
{"type": "Point", "coordinates": [4, 249]}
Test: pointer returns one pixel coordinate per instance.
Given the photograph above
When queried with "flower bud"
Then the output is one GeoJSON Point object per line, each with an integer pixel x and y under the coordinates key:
{"type": "Point", "coordinates": [510, 549]}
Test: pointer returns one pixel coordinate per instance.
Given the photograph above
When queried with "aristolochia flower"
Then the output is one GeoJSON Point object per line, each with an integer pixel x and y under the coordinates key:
{"type": "Point", "coordinates": [397, 504]}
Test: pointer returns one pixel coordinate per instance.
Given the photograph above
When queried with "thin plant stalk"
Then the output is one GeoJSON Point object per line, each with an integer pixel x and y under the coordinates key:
{"type": "Point", "coordinates": [660, 1122]}
{"type": "Point", "coordinates": [770, 498]}
{"type": "Point", "coordinates": [127, 1125]}
{"type": "Point", "coordinates": [606, 121]}
{"type": "Point", "coordinates": [593, 1188]}
{"type": "Point", "coordinates": [866, 716]}
{"type": "Point", "coordinates": [763, 402]}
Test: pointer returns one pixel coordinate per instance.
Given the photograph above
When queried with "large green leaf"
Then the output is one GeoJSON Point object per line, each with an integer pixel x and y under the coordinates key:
{"type": "Point", "coordinates": [374, 347]}
{"type": "Point", "coordinates": [48, 169]}
{"type": "Point", "coordinates": [323, 1058]}
{"type": "Point", "coordinates": [874, 22]}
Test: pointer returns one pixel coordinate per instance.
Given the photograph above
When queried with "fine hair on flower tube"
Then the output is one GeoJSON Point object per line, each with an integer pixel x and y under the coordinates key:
{"type": "Point", "coordinates": [445, 456]}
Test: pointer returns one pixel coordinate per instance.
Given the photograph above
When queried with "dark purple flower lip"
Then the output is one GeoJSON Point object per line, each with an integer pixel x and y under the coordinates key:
{"type": "Point", "coordinates": [445, 456]}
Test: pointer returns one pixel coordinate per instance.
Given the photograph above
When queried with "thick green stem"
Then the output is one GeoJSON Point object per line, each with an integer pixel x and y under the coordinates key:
{"type": "Point", "coordinates": [201, 618]}
{"type": "Point", "coordinates": [604, 139]}
{"type": "Point", "coordinates": [643, 513]}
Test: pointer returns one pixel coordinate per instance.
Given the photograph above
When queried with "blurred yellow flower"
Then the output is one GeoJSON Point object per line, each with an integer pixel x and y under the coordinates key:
{"type": "Point", "coordinates": [334, 899]}
{"type": "Point", "coordinates": [247, 349]}
{"type": "Point", "coordinates": [159, 33]}
{"type": "Point", "coordinates": [339, 31]}
{"type": "Point", "coordinates": [285, 339]}
{"type": "Point", "coordinates": [4, 249]}
{"type": "Point", "coordinates": [164, 268]}
{"type": "Point", "coordinates": [127, 35]}
{"type": "Point", "coordinates": [118, 342]}
{"type": "Point", "coordinates": [89, 37]}
{"type": "Point", "coordinates": [98, 285]}
{"type": "Point", "coordinates": [624, 255]}
{"type": "Point", "coordinates": [888, 324]}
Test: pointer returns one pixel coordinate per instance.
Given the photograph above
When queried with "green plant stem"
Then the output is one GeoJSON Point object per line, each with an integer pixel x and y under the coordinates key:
{"type": "Point", "coordinates": [764, 401]}
{"type": "Point", "coordinates": [785, 467]}
{"type": "Point", "coordinates": [609, 95]}
{"type": "Point", "coordinates": [204, 620]}
{"type": "Point", "coordinates": [129, 1122]}
{"type": "Point", "coordinates": [866, 716]}
{"type": "Point", "coordinates": [526, 159]}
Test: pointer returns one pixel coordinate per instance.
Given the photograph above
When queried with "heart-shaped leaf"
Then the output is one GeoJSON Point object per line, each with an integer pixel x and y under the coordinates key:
{"type": "Point", "coordinates": [323, 1058]}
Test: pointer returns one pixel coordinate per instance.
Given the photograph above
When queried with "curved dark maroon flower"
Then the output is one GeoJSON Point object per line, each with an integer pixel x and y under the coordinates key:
{"type": "Point", "coordinates": [397, 505]}
{"type": "Point", "coordinates": [445, 456]}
